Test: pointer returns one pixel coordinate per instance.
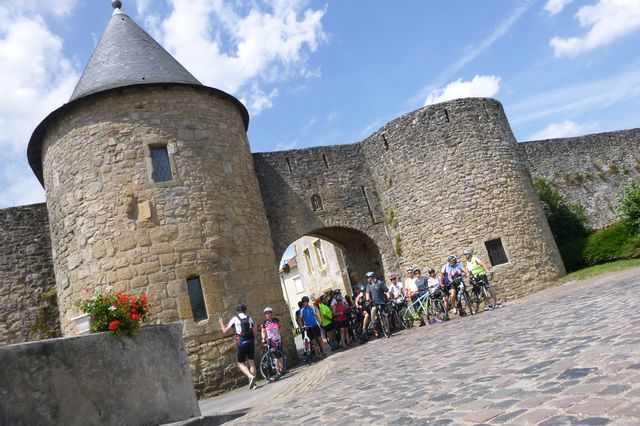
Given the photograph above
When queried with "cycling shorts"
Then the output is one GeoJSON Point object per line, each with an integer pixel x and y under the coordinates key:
{"type": "Point", "coordinates": [313, 332]}
{"type": "Point", "coordinates": [245, 351]}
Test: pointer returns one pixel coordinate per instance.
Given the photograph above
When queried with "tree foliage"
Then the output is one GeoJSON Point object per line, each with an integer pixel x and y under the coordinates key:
{"type": "Point", "coordinates": [630, 207]}
{"type": "Point", "coordinates": [567, 221]}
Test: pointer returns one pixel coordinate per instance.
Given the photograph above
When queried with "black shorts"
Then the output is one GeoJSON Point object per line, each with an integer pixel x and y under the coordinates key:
{"type": "Point", "coordinates": [313, 332]}
{"type": "Point", "coordinates": [328, 327]}
{"type": "Point", "coordinates": [342, 324]}
{"type": "Point", "coordinates": [245, 351]}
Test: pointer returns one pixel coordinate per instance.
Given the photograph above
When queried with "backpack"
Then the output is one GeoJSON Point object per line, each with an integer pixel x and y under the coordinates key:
{"type": "Point", "coordinates": [247, 331]}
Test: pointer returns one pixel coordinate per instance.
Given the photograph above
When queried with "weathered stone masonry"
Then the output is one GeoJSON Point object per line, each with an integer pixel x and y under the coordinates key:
{"type": "Point", "coordinates": [28, 300]}
{"type": "Point", "coordinates": [590, 170]}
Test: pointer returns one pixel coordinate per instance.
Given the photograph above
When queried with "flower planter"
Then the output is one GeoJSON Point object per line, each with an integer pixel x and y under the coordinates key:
{"type": "Point", "coordinates": [82, 322]}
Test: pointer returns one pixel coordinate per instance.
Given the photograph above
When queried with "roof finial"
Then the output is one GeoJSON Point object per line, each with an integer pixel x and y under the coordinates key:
{"type": "Point", "coordinates": [117, 5]}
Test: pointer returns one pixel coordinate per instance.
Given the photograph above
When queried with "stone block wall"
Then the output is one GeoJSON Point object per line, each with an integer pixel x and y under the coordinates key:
{"type": "Point", "coordinates": [590, 170]}
{"type": "Point", "coordinates": [98, 380]}
{"type": "Point", "coordinates": [450, 176]}
{"type": "Point", "coordinates": [346, 212]}
{"type": "Point", "coordinates": [28, 297]}
{"type": "Point", "coordinates": [113, 227]}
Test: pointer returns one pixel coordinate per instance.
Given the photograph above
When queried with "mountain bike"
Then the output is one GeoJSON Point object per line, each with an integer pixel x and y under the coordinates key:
{"type": "Point", "coordinates": [462, 293]}
{"type": "Point", "coordinates": [307, 349]}
{"type": "Point", "coordinates": [482, 291]}
{"type": "Point", "coordinates": [382, 320]}
{"type": "Point", "coordinates": [415, 310]}
{"type": "Point", "coordinates": [437, 310]}
{"type": "Point", "coordinates": [269, 361]}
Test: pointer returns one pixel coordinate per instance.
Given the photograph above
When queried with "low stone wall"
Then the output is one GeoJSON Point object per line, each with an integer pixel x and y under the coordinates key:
{"type": "Point", "coordinates": [98, 379]}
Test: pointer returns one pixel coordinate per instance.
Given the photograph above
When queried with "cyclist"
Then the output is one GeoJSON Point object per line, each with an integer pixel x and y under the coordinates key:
{"type": "Point", "coordinates": [454, 271]}
{"type": "Point", "coordinates": [243, 326]}
{"type": "Point", "coordinates": [395, 290]}
{"type": "Point", "coordinates": [270, 332]}
{"type": "Point", "coordinates": [362, 307]}
{"type": "Point", "coordinates": [478, 270]}
{"type": "Point", "coordinates": [421, 287]}
{"type": "Point", "coordinates": [410, 284]}
{"type": "Point", "coordinates": [341, 321]}
{"type": "Point", "coordinates": [376, 293]}
{"type": "Point", "coordinates": [309, 318]}
{"type": "Point", "coordinates": [326, 321]}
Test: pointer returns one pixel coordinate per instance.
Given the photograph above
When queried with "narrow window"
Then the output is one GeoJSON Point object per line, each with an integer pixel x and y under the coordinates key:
{"type": "Point", "coordinates": [316, 202]}
{"type": "Point", "coordinates": [160, 164]}
{"type": "Point", "coordinates": [497, 255]}
{"type": "Point", "coordinates": [324, 158]}
{"type": "Point", "coordinates": [289, 165]}
{"type": "Point", "coordinates": [320, 253]}
{"type": "Point", "coordinates": [307, 261]}
{"type": "Point", "coordinates": [197, 299]}
{"type": "Point", "coordinates": [386, 143]}
{"type": "Point", "coordinates": [446, 115]}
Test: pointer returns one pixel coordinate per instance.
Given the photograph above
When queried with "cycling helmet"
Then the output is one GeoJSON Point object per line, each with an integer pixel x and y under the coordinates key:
{"type": "Point", "coordinates": [305, 299]}
{"type": "Point", "coordinates": [370, 275]}
{"type": "Point", "coordinates": [452, 259]}
{"type": "Point", "coordinates": [363, 287]}
{"type": "Point", "coordinates": [431, 270]}
{"type": "Point", "coordinates": [466, 252]}
{"type": "Point", "coordinates": [267, 309]}
{"type": "Point", "coordinates": [417, 271]}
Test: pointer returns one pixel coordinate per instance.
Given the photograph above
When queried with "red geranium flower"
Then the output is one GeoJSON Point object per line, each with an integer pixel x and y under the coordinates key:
{"type": "Point", "coordinates": [113, 325]}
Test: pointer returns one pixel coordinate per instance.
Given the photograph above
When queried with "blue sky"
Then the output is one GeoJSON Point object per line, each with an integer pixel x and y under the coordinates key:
{"type": "Point", "coordinates": [331, 72]}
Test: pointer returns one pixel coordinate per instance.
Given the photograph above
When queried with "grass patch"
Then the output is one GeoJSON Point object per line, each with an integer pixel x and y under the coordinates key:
{"type": "Point", "coordinates": [592, 271]}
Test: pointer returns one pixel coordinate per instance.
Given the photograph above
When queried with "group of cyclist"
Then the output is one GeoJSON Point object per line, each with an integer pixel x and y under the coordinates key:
{"type": "Point", "coordinates": [331, 311]}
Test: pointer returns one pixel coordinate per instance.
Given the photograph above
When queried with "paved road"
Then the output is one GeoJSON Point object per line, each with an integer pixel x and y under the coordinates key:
{"type": "Point", "coordinates": [567, 355]}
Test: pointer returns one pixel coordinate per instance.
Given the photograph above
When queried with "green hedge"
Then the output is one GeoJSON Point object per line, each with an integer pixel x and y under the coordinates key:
{"type": "Point", "coordinates": [612, 243]}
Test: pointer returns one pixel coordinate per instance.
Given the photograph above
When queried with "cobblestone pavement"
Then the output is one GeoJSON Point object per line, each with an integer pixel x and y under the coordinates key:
{"type": "Point", "coordinates": [567, 355]}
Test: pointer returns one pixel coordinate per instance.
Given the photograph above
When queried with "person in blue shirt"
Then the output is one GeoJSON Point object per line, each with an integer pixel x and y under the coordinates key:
{"type": "Point", "coordinates": [309, 318]}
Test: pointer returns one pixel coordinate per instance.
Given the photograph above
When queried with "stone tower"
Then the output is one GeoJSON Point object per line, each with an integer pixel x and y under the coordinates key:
{"type": "Point", "coordinates": [151, 188]}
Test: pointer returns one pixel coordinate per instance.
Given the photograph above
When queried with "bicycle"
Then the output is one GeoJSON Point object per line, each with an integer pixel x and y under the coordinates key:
{"type": "Point", "coordinates": [269, 361]}
{"type": "Point", "coordinates": [482, 291]}
{"type": "Point", "coordinates": [382, 319]}
{"type": "Point", "coordinates": [307, 349]}
{"type": "Point", "coordinates": [462, 293]}
{"type": "Point", "coordinates": [437, 310]}
{"type": "Point", "coordinates": [395, 318]}
{"type": "Point", "coordinates": [415, 310]}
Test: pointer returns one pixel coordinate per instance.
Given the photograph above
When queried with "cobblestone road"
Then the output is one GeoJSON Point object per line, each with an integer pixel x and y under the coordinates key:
{"type": "Point", "coordinates": [568, 355]}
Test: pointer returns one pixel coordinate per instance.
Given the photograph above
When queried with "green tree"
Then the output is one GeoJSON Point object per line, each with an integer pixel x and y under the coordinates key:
{"type": "Point", "coordinates": [567, 221]}
{"type": "Point", "coordinates": [630, 207]}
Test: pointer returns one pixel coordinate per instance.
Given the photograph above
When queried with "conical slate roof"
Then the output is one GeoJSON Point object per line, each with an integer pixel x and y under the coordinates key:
{"type": "Point", "coordinates": [127, 55]}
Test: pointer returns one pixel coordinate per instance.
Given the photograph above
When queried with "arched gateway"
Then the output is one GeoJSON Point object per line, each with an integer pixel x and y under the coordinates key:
{"type": "Point", "coordinates": [151, 187]}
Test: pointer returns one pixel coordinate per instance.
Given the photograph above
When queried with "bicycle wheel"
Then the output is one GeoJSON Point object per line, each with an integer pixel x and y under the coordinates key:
{"type": "Point", "coordinates": [477, 297]}
{"type": "Point", "coordinates": [438, 310]}
{"type": "Point", "coordinates": [308, 354]}
{"type": "Point", "coordinates": [384, 322]}
{"type": "Point", "coordinates": [268, 368]}
{"type": "Point", "coordinates": [407, 317]}
{"type": "Point", "coordinates": [490, 298]}
{"type": "Point", "coordinates": [397, 321]}
{"type": "Point", "coordinates": [467, 300]}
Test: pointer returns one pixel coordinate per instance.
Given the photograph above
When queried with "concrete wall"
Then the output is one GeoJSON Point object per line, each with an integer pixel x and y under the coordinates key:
{"type": "Point", "coordinates": [590, 170]}
{"type": "Point", "coordinates": [98, 379]}
{"type": "Point", "coordinates": [28, 298]}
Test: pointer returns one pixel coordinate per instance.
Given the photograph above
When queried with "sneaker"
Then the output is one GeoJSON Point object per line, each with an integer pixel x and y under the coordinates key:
{"type": "Point", "coordinates": [488, 308]}
{"type": "Point", "coordinates": [455, 311]}
{"type": "Point", "coordinates": [252, 383]}
{"type": "Point", "coordinates": [498, 304]}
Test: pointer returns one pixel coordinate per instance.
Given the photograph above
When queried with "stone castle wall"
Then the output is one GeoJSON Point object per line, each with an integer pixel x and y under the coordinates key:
{"type": "Point", "coordinates": [348, 214]}
{"type": "Point", "coordinates": [28, 302]}
{"type": "Point", "coordinates": [590, 170]}
{"type": "Point", "coordinates": [113, 227]}
{"type": "Point", "coordinates": [450, 176]}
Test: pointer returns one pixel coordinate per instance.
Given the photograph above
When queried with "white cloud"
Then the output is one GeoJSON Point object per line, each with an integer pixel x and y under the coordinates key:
{"type": "Point", "coordinates": [37, 79]}
{"type": "Point", "coordinates": [481, 86]}
{"type": "Point", "coordinates": [607, 21]}
{"type": "Point", "coordinates": [563, 129]}
{"type": "Point", "coordinates": [243, 46]}
{"type": "Point", "coordinates": [580, 98]}
{"type": "Point", "coordinates": [555, 6]}
{"type": "Point", "coordinates": [257, 100]}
